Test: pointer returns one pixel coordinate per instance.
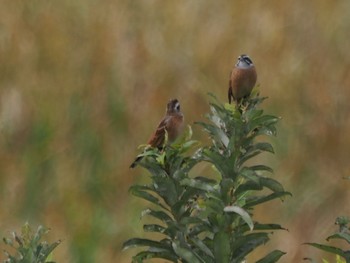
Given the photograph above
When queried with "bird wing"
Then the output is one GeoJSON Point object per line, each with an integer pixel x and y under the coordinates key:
{"type": "Point", "coordinates": [158, 136]}
{"type": "Point", "coordinates": [230, 95]}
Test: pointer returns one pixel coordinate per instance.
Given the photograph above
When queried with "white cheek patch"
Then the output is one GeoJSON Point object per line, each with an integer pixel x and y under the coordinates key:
{"type": "Point", "coordinates": [177, 106]}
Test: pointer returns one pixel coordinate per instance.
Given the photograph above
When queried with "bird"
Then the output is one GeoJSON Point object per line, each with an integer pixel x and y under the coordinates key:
{"type": "Point", "coordinates": [172, 124]}
{"type": "Point", "coordinates": [242, 79]}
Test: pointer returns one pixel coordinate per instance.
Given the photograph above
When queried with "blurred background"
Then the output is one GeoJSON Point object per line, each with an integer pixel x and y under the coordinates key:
{"type": "Point", "coordinates": [83, 83]}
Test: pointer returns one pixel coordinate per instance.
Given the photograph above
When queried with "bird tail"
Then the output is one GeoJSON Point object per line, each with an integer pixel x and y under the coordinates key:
{"type": "Point", "coordinates": [137, 160]}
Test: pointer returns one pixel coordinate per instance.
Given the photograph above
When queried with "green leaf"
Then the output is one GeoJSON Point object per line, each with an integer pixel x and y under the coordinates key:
{"type": "Point", "coordinates": [154, 228]}
{"type": "Point", "coordinates": [185, 253]}
{"type": "Point", "coordinates": [262, 199]}
{"type": "Point", "coordinates": [257, 183]}
{"type": "Point", "coordinates": [222, 248]}
{"type": "Point", "coordinates": [245, 216]}
{"type": "Point", "coordinates": [246, 244]}
{"type": "Point", "coordinates": [185, 137]}
{"type": "Point", "coordinates": [252, 114]}
{"type": "Point", "coordinates": [258, 226]}
{"type": "Point", "coordinates": [261, 168]}
{"type": "Point", "coordinates": [198, 184]}
{"type": "Point", "coordinates": [188, 145]}
{"type": "Point", "coordinates": [344, 236]}
{"type": "Point", "coordinates": [342, 221]}
{"type": "Point", "coordinates": [47, 250]}
{"type": "Point", "coordinates": [138, 190]}
{"type": "Point", "coordinates": [269, 131]}
{"type": "Point", "coordinates": [272, 184]}
{"type": "Point", "coordinates": [263, 121]}
{"type": "Point", "coordinates": [142, 242]}
{"type": "Point", "coordinates": [272, 257]}
{"type": "Point", "coordinates": [144, 255]}
{"type": "Point", "coordinates": [215, 133]}
{"type": "Point", "coordinates": [203, 247]}
{"type": "Point", "coordinates": [161, 159]}
{"type": "Point", "coordinates": [166, 188]}
{"type": "Point", "coordinates": [242, 189]}
{"type": "Point", "coordinates": [254, 150]}
{"type": "Point", "coordinates": [213, 204]}
{"type": "Point", "coordinates": [247, 156]}
{"type": "Point", "coordinates": [162, 216]}
{"type": "Point", "coordinates": [250, 175]}
{"type": "Point", "coordinates": [331, 249]}
{"type": "Point", "coordinates": [224, 167]}
{"type": "Point", "coordinates": [262, 146]}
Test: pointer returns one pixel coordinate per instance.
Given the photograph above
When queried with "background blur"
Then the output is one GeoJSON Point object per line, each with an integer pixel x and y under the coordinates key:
{"type": "Point", "coordinates": [83, 83]}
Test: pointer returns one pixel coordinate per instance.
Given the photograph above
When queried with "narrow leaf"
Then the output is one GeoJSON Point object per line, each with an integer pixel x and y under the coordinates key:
{"type": "Point", "coordinates": [263, 199]}
{"type": "Point", "coordinates": [136, 191]}
{"type": "Point", "coordinates": [272, 257]}
{"type": "Point", "coordinates": [258, 226]}
{"type": "Point", "coordinates": [141, 242]}
{"type": "Point", "coordinates": [244, 188]}
{"type": "Point", "coordinates": [162, 216]}
{"type": "Point", "coordinates": [261, 168]}
{"type": "Point", "coordinates": [330, 249]}
{"type": "Point", "coordinates": [246, 244]}
{"type": "Point", "coordinates": [245, 216]}
{"type": "Point", "coordinates": [143, 255]}
{"type": "Point", "coordinates": [185, 253]}
{"type": "Point", "coordinates": [198, 184]}
{"type": "Point", "coordinates": [202, 246]}
{"type": "Point", "coordinates": [249, 155]}
{"type": "Point", "coordinates": [154, 228]}
{"type": "Point", "coordinates": [263, 146]}
{"type": "Point", "coordinates": [344, 236]}
{"type": "Point", "coordinates": [272, 184]}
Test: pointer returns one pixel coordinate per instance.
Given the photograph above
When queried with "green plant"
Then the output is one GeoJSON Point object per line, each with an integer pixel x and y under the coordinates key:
{"type": "Point", "coordinates": [28, 246]}
{"type": "Point", "coordinates": [344, 234]}
{"type": "Point", "coordinates": [337, 260]}
{"type": "Point", "coordinates": [207, 219]}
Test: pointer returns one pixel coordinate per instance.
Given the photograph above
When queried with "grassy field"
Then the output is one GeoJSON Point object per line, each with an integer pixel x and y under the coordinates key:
{"type": "Point", "coordinates": [83, 83]}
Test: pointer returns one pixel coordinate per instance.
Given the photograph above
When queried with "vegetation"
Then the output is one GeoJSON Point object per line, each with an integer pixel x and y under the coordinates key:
{"type": "Point", "coordinates": [342, 234]}
{"type": "Point", "coordinates": [207, 219]}
{"type": "Point", "coordinates": [83, 82]}
{"type": "Point", "coordinates": [28, 247]}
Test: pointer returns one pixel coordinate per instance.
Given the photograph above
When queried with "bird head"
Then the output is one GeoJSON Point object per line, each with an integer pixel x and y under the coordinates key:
{"type": "Point", "coordinates": [173, 106]}
{"type": "Point", "coordinates": [244, 61]}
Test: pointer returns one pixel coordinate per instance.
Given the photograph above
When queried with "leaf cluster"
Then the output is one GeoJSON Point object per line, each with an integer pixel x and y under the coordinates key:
{"type": "Point", "coordinates": [28, 246]}
{"type": "Point", "coordinates": [343, 234]}
{"type": "Point", "coordinates": [210, 220]}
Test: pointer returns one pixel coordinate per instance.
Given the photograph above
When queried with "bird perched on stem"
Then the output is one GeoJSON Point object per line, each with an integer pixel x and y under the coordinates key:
{"type": "Point", "coordinates": [242, 79]}
{"type": "Point", "coordinates": [172, 124]}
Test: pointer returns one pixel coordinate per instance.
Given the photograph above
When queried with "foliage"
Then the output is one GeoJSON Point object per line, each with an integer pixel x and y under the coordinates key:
{"type": "Point", "coordinates": [204, 219]}
{"type": "Point", "coordinates": [337, 260]}
{"type": "Point", "coordinates": [28, 246]}
{"type": "Point", "coordinates": [343, 234]}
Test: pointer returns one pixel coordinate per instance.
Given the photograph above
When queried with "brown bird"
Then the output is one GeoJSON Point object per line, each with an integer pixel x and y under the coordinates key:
{"type": "Point", "coordinates": [172, 123]}
{"type": "Point", "coordinates": [242, 79]}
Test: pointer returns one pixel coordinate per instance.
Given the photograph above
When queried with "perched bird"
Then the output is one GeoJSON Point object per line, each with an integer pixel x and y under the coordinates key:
{"type": "Point", "coordinates": [242, 79]}
{"type": "Point", "coordinates": [172, 123]}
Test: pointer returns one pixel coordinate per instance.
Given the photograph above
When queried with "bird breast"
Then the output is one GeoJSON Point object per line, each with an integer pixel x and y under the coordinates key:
{"type": "Point", "coordinates": [243, 80]}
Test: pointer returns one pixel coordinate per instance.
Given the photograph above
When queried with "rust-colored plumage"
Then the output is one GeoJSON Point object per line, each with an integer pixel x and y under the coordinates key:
{"type": "Point", "coordinates": [172, 123]}
{"type": "Point", "coordinates": [242, 79]}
